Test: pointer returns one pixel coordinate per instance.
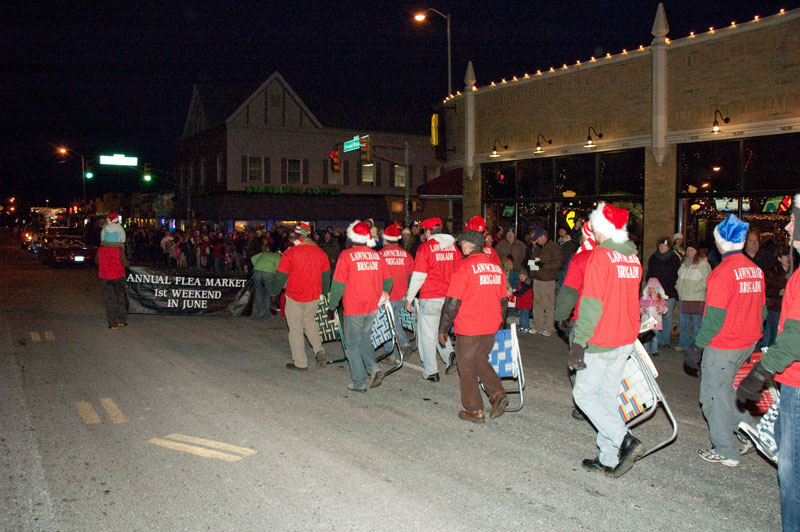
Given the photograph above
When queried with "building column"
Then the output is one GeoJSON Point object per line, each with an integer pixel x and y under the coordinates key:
{"type": "Point", "coordinates": [472, 190]}
{"type": "Point", "coordinates": [660, 193]}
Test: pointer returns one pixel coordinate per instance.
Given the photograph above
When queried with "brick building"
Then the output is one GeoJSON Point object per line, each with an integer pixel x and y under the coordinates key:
{"type": "Point", "coordinates": [266, 158]}
{"type": "Point", "coordinates": [657, 156]}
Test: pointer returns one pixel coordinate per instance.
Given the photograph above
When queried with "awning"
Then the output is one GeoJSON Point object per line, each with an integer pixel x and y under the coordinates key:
{"type": "Point", "coordinates": [449, 185]}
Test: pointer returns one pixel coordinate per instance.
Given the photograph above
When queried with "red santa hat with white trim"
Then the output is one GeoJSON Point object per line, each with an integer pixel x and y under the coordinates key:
{"type": "Point", "coordinates": [610, 221]}
{"type": "Point", "coordinates": [392, 233]}
{"type": "Point", "coordinates": [589, 242]}
{"type": "Point", "coordinates": [358, 232]}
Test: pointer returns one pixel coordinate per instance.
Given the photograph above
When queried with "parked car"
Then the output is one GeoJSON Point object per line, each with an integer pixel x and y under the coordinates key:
{"type": "Point", "coordinates": [57, 250]}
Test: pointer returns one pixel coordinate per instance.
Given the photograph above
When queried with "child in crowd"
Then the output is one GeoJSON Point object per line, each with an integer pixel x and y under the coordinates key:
{"type": "Point", "coordinates": [653, 304]}
{"type": "Point", "coordinates": [523, 295]}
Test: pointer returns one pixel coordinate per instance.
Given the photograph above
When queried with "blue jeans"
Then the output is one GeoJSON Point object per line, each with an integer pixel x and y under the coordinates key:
{"type": "Point", "coordinates": [771, 327]}
{"type": "Point", "coordinates": [690, 325]}
{"type": "Point", "coordinates": [262, 282]}
{"type": "Point", "coordinates": [595, 393]}
{"type": "Point", "coordinates": [650, 341]}
{"type": "Point", "coordinates": [402, 339]}
{"type": "Point", "coordinates": [666, 320]}
{"type": "Point", "coordinates": [788, 436]}
{"type": "Point", "coordinates": [358, 348]}
{"type": "Point", "coordinates": [428, 336]}
{"type": "Point", "coordinates": [718, 397]}
{"type": "Point", "coordinates": [524, 317]}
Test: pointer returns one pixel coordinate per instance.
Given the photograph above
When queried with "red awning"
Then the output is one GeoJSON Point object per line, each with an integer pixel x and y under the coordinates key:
{"type": "Point", "coordinates": [448, 185]}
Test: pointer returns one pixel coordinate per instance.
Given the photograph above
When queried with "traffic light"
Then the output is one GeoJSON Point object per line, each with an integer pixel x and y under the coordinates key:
{"type": "Point", "coordinates": [147, 175]}
{"type": "Point", "coordinates": [335, 162]}
{"type": "Point", "coordinates": [366, 150]}
{"type": "Point", "coordinates": [89, 172]}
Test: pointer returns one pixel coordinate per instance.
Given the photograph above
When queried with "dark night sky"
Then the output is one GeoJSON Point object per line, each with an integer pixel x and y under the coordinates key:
{"type": "Point", "coordinates": [117, 76]}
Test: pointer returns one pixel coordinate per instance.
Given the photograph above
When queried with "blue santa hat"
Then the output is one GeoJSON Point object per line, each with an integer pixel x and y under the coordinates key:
{"type": "Point", "coordinates": [731, 234]}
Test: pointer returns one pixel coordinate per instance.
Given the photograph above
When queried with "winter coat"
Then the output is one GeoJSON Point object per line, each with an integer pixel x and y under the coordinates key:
{"type": "Point", "coordinates": [664, 267]}
{"type": "Point", "coordinates": [691, 284]}
{"type": "Point", "coordinates": [550, 258]}
{"type": "Point", "coordinates": [654, 306]}
{"type": "Point", "coordinates": [113, 232]}
{"type": "Point", "coordinates": [517, 250]}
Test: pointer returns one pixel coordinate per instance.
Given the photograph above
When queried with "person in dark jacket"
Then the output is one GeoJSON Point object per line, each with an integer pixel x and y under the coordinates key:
{"type": "Point", "coordinates": [545, 266]}
{"type": "Point", "coordinates": [330, 246]}
{"type": "Point", "coordinates": [664, 265]}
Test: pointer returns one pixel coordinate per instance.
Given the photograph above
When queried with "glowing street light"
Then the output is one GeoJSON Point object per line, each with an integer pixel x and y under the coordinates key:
{"type": "Point", "coordinates": [63, 150]}
{"type": "Point", "coordinates": [420, 17]}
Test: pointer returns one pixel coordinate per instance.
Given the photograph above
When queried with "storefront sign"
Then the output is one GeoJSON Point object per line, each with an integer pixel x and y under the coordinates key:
{"type": "Point", "coordinates": [314, 191]}
{"type": "Point", "coordinates": [185, 293]}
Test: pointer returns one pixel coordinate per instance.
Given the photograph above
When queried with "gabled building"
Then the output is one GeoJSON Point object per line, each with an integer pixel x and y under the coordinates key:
{"type": "Point", "coordinates": [267, 159]}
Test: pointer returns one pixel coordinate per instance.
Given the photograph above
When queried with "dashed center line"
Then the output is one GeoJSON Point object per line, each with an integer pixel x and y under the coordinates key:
{"type": "Point", "coordinates": [49, 336]}
{"type": "Point", "coordinates": [113, 410]}
{"type": "Point", "coordinates": [87, 412]}
{"type": "Point", "coordinates": [35, 337]}
{"type": "Point", "coordinates": [90, 415]}
{"type": "Point", "coordinates": [175, 442]}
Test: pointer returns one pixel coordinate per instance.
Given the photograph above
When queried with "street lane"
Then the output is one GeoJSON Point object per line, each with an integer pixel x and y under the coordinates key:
{"type": "Point", "coordinates": [396, 458]}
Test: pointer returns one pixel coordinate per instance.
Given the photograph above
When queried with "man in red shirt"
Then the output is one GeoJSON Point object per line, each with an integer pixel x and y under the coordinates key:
{"type": "Point", "coordinates": [606, 329]}
{"type": "Point", "coordinates": [306, 272]}
{"type": "Point", "coordinates": [362, 278]}
{"type": "Point", "coordinates": [111, 262]}
{"type": "Point", "coordinates": [435, 262]}
{"type": "Point", "coordinates": [475, 305]}
{"type": "Point", "coordinates": [401, 266]}
{"type": "Point", "coordinates": [782, 359]}
{"type": "Point", "coordinates": [735, 309]}
{"type": "Point", "coordinates": [477, 223]}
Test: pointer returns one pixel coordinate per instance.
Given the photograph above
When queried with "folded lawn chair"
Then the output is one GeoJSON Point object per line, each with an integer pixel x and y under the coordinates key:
{"type": "Point", "coordinates": [639, 394]}
{"type": "Point", "coordinates": [329, 330]}
{"type": "Point", "coordinates": [506, 360]}
{"type": "Point", "coordinates": [383, 331]}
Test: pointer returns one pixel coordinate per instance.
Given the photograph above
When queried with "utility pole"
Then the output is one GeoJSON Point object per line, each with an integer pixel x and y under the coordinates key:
{"type": "Point", "coordinates": [407, 184]}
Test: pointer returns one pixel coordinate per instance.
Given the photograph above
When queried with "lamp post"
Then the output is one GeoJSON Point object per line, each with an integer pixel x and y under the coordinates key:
{"type": "Point", "coordinates": [419, 17]}
{"type": "Point", "coordinates": [63, 151]}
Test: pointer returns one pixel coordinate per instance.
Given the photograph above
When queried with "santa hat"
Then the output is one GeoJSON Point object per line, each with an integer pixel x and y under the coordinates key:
{"type": "Point", "coordinates": [392, 233]}
{"type": "Point", "coordinates": [731, 234]}
{"type": "Point", "coordinates": [589, 242]}
{"type": "Point", "coordinates": [113, 217]}
{"type": "Point", "coordinates": [432, 223]}
{"type": "Point", "coordinates": [303, 229]}
{"type": "Point", "coordinates": [358, 232]}
{"type": "Point", "coordinates": [476, 223]}
{"type": "Point", "coordinates": [610, 221]}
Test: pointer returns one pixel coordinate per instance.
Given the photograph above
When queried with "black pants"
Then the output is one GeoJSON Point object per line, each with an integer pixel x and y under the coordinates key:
{"type": "Point", "coordinates": [472, 354]}
{"type": "Point", "coordinates": [115, 301]}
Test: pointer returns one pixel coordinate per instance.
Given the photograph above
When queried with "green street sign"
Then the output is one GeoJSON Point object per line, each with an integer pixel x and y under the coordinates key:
{"type": "Point", "coordinates": [351, 145]}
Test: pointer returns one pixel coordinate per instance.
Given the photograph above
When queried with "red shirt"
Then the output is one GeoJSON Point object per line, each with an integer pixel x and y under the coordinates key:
{"type": "Point", "coordinates": [109, 261]}
{"type": "Point", "coordinates": [304, 264]}
{"type": "Point", "coordinates": [737, 286]}
{"type": "Point", "coordinates": [575, 274]}
{"type": "Point", "coordinates": [480, 285]}
{"type": "Point", "coordinates": [493, 256]}
{"type": "Point", "coordinates": [362, 270]}
{"type": "Point", "coordinates": [614, 279]}
{"type": "Point", "coordinates": [438, 262]}
{"type": "Point", "coordinates": [401, 265]}
{"type": "Point", "coordinates": [790, 309]}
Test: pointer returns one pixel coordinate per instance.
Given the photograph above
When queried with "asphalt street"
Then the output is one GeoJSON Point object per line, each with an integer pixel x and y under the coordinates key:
{"type": "Point", "coordinates": [192, 423]}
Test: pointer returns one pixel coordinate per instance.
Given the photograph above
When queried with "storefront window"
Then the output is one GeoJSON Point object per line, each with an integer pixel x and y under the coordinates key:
{"type": "Point", "coordinates": [575, 175]}
{"type": "Point", "coordinates": [771, 163]}
{"type": "Point", "coordinates": [709, 167]}
{"type": "Point", "coordinates": [500, 180]}
{"type": "Point", "coordinates": [621, 172]}
{"type": "Point", "coordinates": [535, 178]}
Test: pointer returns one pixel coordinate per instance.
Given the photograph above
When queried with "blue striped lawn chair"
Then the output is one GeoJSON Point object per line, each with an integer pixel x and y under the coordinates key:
{"type": "Point", "coordinates": [506, 359]}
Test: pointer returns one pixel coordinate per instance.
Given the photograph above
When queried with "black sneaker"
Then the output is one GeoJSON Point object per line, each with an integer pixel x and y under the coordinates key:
{"type": "Point", "coordinates": [432, 378]}
{"type": "Point", "coordinates": [577, 414]}
{"type": "Point", "coordinates": [452, 366]}
{"type": "Point", "coordinates": [594, 466]}
{"type": "Point", "coordinates": [630, 449]}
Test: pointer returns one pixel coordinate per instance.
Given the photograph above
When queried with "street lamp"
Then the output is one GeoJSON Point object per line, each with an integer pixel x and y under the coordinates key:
{"type": "Point", "coordinates": [419, 17]}
{"type": "Point", "coordinates": [63, 151]}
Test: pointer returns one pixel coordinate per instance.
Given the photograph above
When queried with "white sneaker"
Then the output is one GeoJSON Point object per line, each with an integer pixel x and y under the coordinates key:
{"type": "Point", "coordinates": [711, 455]}
{"type": "Point", "coordinates": [546, 333]}
{"type": "Point", "coordinates": [533, 331]}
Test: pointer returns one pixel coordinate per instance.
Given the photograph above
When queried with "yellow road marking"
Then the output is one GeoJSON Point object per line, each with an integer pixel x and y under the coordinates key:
{"type": "Point", "coordinates": [49, 336]}
{"type": "Point", "coordinates": [35, 337]}
{"type": "Point", "coordinates": [199, 451]}
{"type": "Point", "coordinates": [113, 410]}
{"type": "Point", "coordinates": [87, 412]}
{"type": "Point", "coordinates": [244, 451]}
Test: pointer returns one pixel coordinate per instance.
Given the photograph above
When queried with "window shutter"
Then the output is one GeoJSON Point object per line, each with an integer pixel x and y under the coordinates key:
{"type": "Point", "coordinates": [266, 169]}
{"type": "Point", "coordinates": [358, 174]}
{"type": "Point", "coordinates": [305, 171]}
{"type": "Point", "coordinates": [377, 174]}
{"type": "Point", "coordinates": [244, 168]}
{"type": "Point", "coordinates": [325, 171]}
{"type": "Point", "coordinates": [283, 170]}
{"type": "Point", "coordinates": [346, 172]}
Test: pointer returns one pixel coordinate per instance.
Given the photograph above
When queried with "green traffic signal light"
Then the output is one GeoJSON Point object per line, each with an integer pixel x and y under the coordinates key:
{"type": "Point", "coordinates": [89, 175]}
{"type": "Point", "coordinates": [148, 177]}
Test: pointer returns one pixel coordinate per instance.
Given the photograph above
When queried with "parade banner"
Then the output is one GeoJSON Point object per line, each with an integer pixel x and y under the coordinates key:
{"type": "Point", "coordinates": [187, 292]}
